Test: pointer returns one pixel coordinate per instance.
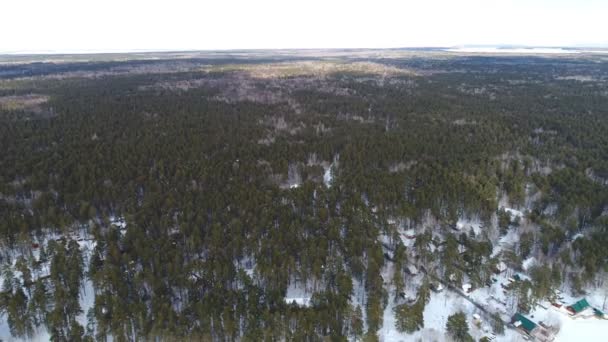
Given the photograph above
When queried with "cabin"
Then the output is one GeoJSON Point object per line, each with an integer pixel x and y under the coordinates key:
{"type": "Point", "coordinates": [507, 286]}
{"type": "Point", "coordinates": [581, 309]}
{"type": "Point", "coordinates": [501, 267]}
{"type": "Point", "coordinates": [543, 334]}
{"type": "Point", "coordinates": [477, 318]}
{"type": "Point", "coordinates": [523, 324]}
{"type": "Point", "coordinates": [436, 287]}
{"type": "Point", "coordinates": [410, 234]}
{"type": "Point", "coordinates": [411, 269]}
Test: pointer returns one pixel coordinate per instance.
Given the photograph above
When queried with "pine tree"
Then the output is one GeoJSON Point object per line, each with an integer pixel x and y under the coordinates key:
{"type": "Point", "coordinates": [458, 327]}
{"type": "Point", "coordinates": [356, 323]}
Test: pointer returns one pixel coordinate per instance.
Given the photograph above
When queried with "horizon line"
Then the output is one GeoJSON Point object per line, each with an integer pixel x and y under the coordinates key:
{"type": "Point", "coordinates": [179, 50]}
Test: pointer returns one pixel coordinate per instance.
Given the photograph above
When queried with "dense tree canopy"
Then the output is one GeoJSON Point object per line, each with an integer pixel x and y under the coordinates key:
{"type": "Point", "coordinates": [218, 172]}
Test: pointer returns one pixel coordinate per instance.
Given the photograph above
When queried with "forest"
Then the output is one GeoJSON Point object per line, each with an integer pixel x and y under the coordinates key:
{"type": "Point", "coordinates": [187, 198]}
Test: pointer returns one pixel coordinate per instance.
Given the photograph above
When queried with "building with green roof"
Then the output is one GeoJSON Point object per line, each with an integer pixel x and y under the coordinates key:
{"type": "Point", "coordinates": [579, 306]}
{"type": "Point", "coordinates": [520, 321]}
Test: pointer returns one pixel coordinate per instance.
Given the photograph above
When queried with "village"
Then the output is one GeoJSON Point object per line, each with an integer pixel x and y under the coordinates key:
{"type": "Point", "coordinates": [562, 317]}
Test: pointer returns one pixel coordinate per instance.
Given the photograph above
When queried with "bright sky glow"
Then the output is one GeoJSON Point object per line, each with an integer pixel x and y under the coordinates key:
{"type": "Point", "coordinates": [119, 25]}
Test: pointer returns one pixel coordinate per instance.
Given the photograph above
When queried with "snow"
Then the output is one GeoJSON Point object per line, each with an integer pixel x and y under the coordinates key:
{"type": "Point", "coordinates": [294, 179]}
{"type": "Point", "coordinates": [440, 306]}
{"type": "Point", "coordinates": [412, 269]}
{"type": "Point", "coordinates": [300, 301]}
{"type": "Point", "coordinates": [40, 335]}
{"type": "Point", "coordinates": [594, 51]}
{"type": "Point", "coordinates": [579, 235]}
{"type": "Point", "coordinates": [358, 299]}
{"type": "Point", "coordinates": [119, 222]}
{"type": "Point", "coordinates": [388, 332]}
{"type": "Point", "coordinates": [298, 293]}
{"type": "Point", "coordinates": [87, 294]}
{"type": "Point", "coordinates": [513, 212]}
{"type": "Point", "coordinates": [582, 330]}
{"type": "Point", "coordinates": [444, 304]}
{"type": "Point", "coordinates": [328, 177]}
{"type": "Point", "coordinates": [247, 264]}
{"type": "Point", "coordinates": [506, 242]}
{"type": "Point", "coordinates": [534, 50]}
{"type": "Point", "coordinates": [571, 330]}
{"type": "Point", "coordinates": [528, 263]}
{"type": "Point", "coordinates": [468, 224]}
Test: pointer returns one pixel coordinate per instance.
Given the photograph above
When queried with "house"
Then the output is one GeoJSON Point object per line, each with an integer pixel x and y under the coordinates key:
{"type": "Point", "coordinates": [522, 323]}
{"type": "Point", "coordinates": [581, 309]}
{"type": "Point", "coordinates": [410, 234]}
{"type": "Point", "coordinates": [462, 249]}
{"type": "Point", "coordinates": [436, 287]}
{"type": "Point", "coordinates": [507, 286]}
{"type": "Point", "coordinates": [544, 334]}
{"type": "Point", "coordinates": [476, 318]}
{"type": "Point", "coordinates": [467, 288]}
{"type": "Point", "coordinates": [501, 267]}
{"type": "Point", "coordinates": [411, 269]}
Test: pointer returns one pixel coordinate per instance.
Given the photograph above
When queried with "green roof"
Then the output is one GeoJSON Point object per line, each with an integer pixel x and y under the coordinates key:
{"type": "Point", "coordinates": [527, 324]}
{"type": "Point", "coordinates": [579, 306]}
{"type": "Point", "coordinates": [598, 312]}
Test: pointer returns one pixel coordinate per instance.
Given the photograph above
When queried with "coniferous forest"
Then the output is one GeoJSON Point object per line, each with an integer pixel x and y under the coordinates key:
{"type": "Point", "coordinates": [294, 197]}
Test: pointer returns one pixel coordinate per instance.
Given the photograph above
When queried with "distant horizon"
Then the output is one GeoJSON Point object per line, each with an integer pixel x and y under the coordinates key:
{"type": "Point", "coordinates": [168, 50]}
{"type": "Point", "coordinates": [116, 26]}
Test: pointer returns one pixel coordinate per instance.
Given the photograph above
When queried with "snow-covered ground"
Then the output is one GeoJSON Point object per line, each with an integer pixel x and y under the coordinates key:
{"type": "Point", "coordinates": [298, 293]}
{"type": "Point", "coordinates": [494, 49]}
{"type": "Point", "coordinates": [582, 330]}
{"type": "Point", "coordinates": [328, 177]}
{"type": "Point", "coordinates": [40, 335]}
{"type": "Point", "coordinates": [87, 294]}
{"type": "Point", "coordinates": [513, 212]}
{"type": "Point", "coordinates": [440, 306]}
{"type": "Point", "coordinates": [506, 242]}
{"type": "Point", "coordinates": [571, 330]}
{"type": "Point", "coordinates": [466, 224]}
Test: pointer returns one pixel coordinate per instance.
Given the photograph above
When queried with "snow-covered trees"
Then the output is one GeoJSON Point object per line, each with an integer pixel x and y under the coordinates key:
{"type": "Point", "coordinates": [458, 327]}
{"type": "Point", "coordinates": [207, 178]}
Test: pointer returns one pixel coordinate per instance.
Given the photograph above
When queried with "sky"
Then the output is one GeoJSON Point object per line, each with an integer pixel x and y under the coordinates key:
{"type": "Point", "coordinates": [131, 25]}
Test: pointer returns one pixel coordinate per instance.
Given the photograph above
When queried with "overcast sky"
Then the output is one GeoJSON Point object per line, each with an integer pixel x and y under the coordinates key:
{"type": "Point", "coordinates": [118, 25]}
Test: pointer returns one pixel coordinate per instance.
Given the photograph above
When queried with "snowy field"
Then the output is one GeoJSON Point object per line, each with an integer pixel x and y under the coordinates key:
{"type": "Point", "coordinates": [572, 330]}
{"type": "Point", "coordinates": [298, 293]}
{"type": "Point", "coordinates": [493, 49]}
{"type": "Point", "coordinates": [445, 303]}
{"type": "Point", "coordinates": [440, 306]}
